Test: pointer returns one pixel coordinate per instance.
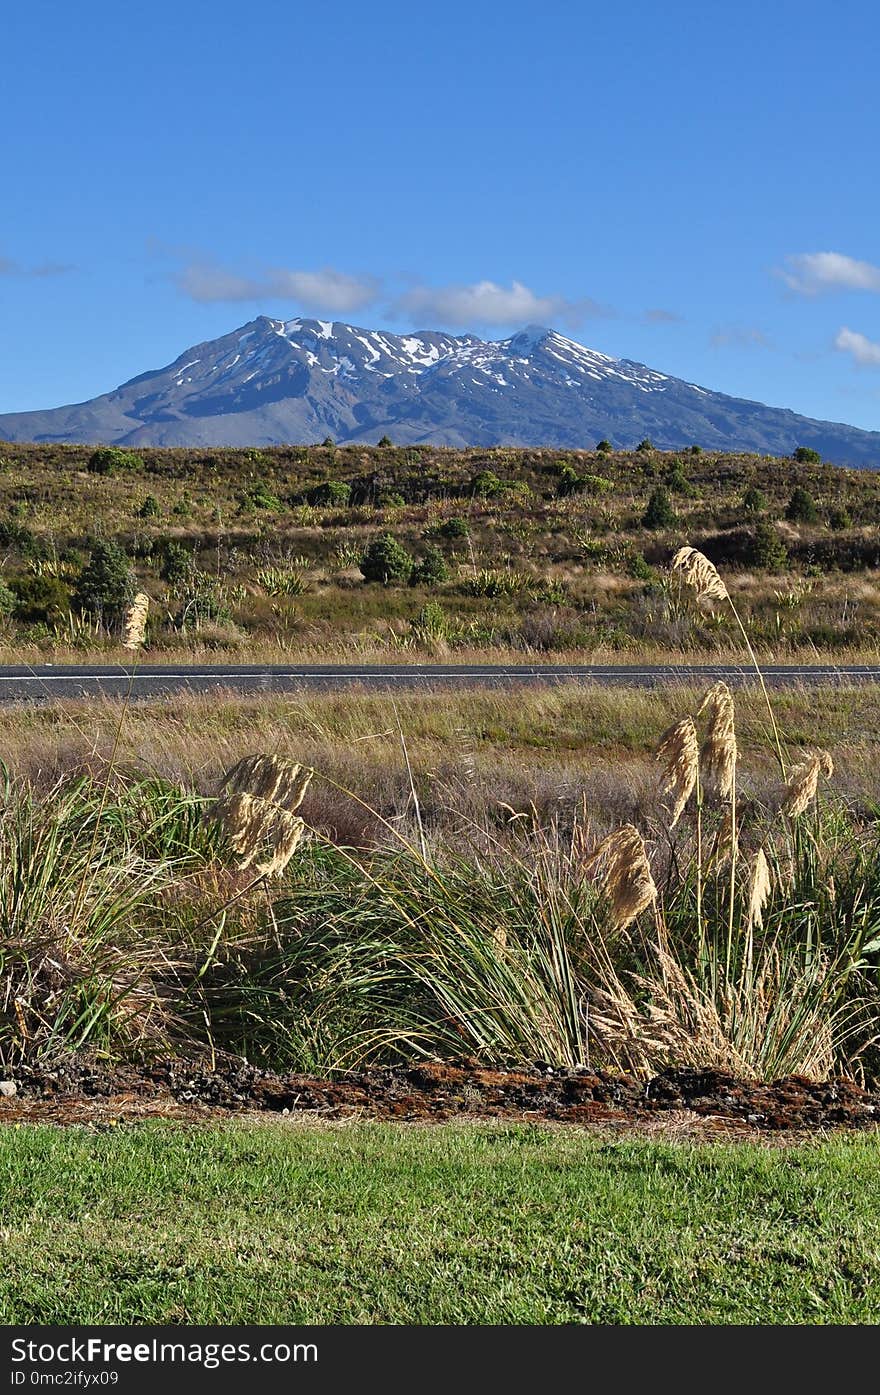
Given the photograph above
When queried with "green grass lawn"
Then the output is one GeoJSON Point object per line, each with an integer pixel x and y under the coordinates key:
{"type": "Point", "coordinates": [160, 1223]}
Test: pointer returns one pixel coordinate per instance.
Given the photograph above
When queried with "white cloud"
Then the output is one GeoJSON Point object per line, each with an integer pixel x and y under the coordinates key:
{"type": "Point", "coordinates": [326, 290]}
{"type": "Point", "coordinates": [487, 303]}
{"type": "Point", "coordinates": [865, 351]}
{"type": "Point", "coordinates": [810, 273]}
{"type": "Point", "coordinates": [322, 291]}
{"type": "Point", "coordinates": [11, 268]}
{"type": "Point", "coordinates": [662, 317]}
{"type": "Point", "coordinates": [333, 292]}
{"type": "Point", "coordinates": [739, 337]}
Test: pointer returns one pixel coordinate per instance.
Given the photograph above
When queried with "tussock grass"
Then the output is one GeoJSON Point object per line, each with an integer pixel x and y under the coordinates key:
{"type": "Point", "coordinates": [449, 875]}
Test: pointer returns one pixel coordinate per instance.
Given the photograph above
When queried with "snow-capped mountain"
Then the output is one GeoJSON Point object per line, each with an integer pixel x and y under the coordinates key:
{"type": "Point", "coordinates": [296, 381]}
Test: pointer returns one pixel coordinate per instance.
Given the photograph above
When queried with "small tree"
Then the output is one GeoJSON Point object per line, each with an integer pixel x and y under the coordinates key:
{"type": "Point", "coordinates": [109, 460]}
{"type": "Point", "coordinates": [486, 485]}
{"type": "Point", "coordinates": [754, 501]}
{"type": "Point", "coordinates": [604, 447]}
{"type": "Point", "coordinates": [40, 599]}
{"type": "Point", "coordinates": [659, 513]}
{"type": "Point", "coordinates": [801, 507]}
{"type": "Point", "coordinates": [430, 569]}
{"type": "Point", "coordinates": [386, 561]}
{"type": "Point", "coordinates": [106, 585]}
{"type": "Point", "coordinates": [150, 508]}
{"type": "Point", "coordinates": [805, 455]}
{"type": "Point", "coordinates": [645, 445]}
{"type": "Point", "coordinates": [768, 550]}
{"type": "Point", "coordinates": [385, 442]}
{"type": "Point", "coordinates": [330, 492]}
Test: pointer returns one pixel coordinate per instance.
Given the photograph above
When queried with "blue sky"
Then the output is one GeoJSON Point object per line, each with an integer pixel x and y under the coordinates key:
{"type": "Point", "coordinates": [687, 184]}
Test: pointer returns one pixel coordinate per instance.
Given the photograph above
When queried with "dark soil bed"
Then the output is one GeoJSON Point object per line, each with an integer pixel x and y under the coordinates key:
{"type": "Point", "coordinates": [79, 1091]}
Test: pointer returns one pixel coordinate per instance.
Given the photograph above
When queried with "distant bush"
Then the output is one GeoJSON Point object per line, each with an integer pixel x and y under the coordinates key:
{"type": "Point", "coordinates": [430, 569]}
{"type": "Point", "coordinates": [450, 528]}
{"type": "Point", "coordinates": [805, 455]}
{"type": "Point", "coordinates": [7, 600]}
{"type": "Point", "coordinates": [328, 441]}
{"type": "Point", "coordinates": [645, 445]}
{"type": "Point", "coordinates": [110, 460]}
{"type": "Point", "coordinates": [767, 550]}
{"type": "Point", "coordinates": [106, 584]}
{"type": "Point", "coordinates": [801, 507]}
{"type": "Point", "coordinates": [839, 518]}
{"type": "Point", "coordinates": [177, 562]}
{"type": "Point", "coordinates": [385, 442]}
{"type": "Point", "coordinates": [386, 561]}
{"type": "Point", "coordinates": [333, 493]}
{"type": "Point", "coordinates": [150, 508]}
{"type": "Point", "coordinates": [486, 485]}
{"type": "Point", "coordinates": [39, 599]}
{"type": "Point", "coordinates": [259, 496]}
{"type": "Point", "coordinates": [604, 447]}
{"type": "Point", "coordinates": [754, 500]}
{"type": "Point", "coordinates": [659, 513]}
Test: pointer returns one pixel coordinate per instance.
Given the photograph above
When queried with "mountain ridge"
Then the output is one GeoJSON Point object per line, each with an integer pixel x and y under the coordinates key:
{"type": "Point", "coordinates": [278, 382]}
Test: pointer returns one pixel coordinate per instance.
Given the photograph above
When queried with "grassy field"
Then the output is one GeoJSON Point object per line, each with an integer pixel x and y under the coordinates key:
{"type": "Point", "coordinates": [452, 1224]}
{"type": "Point", "coordinates": [505, 553]}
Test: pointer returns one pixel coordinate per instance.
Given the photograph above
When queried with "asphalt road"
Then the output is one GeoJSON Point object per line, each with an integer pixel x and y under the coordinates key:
{"type": "Point", "coordinates": [46, 682]}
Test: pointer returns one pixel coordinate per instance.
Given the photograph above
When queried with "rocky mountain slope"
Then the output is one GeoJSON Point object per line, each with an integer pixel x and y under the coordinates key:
{"type": "Point", "coordinates": [298, 381]}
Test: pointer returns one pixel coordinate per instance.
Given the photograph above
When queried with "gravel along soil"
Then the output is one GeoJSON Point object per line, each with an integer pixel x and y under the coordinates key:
{"type": "Point", "coordinates": [77, 1091]}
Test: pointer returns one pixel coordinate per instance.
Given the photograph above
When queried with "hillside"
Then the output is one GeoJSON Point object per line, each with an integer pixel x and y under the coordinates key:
{"type": "Point", "coordinates": [274, 382]}
{"type": "Point", "coordinates": [503, 552]}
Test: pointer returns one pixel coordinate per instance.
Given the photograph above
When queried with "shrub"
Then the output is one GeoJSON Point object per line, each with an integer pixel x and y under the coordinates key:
{"type": "Point", "coordinates": [150, 508]}
{"type": "Point", "coordinates": [450, 528]}
{"type": "Point", "coordinates": [486, 485]}
{"type": "Point", "coordinates": [801, 507]}
{"type": "Point", "coordinates": [430, 569]}
{"type": "Point", "coordinates": [39, 599]}
{"type": "Point", "coordinates": [106, 585]}
{"type": "Point", "coordinates": [659, 513]}
{"type": "Point", "coordinates": [639, 568]}
{"type": "Point", "coordinates": [604, 447]}
{"type": "Point", "coordinates": [645, 445]}
{"type": "Point", "coordinates": [334, 493]}
{"type": "Point", "coordinates": [839, 518]}
{"type": "Point", "coordinates": [805, 455]}
{"type": "Point", "coordinates": [259, 496]}
{"type": "Point", "coordinates": [177, 561]}
{"type": "Point", "coordinates": [754, 501]}
{"type": "Point", "coordinates": [431, 624]}
{"type": "Point", "coordinates": [385, 442]}
{"type": "Point", "coordinates": [7, 600]}
{"type": "Point", "coordinates": [329, 441]}
{"type": "Point", "coordinates": [767, 549]}
{"type": "Point", "coordinates": [386, 561]}
{"type": "Point", "coordinates": [109, 460]}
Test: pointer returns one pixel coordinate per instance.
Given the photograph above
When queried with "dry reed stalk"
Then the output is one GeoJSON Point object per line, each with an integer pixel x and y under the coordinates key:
{"type": "Point", "coordinates": [803, 782]}
{"type": "Point", "coordinates": [252, 824]}
{"type": "Point", "coordinates": [257, 811]}
{"type": "Point", "coordinates": [680, 752]}
{"type": "Point", "coordinates": [134, 626]}
{"type": "Point", "coordinates": [719, 754]}
{"type": "Point", "coordinates": [759, 890]}
{"type": "Point", "coordinates": [620, 864]}
{"type": "Point", "coordinates": [272, 778]}
{"type": "Point", "coordinates": [700, 574]}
